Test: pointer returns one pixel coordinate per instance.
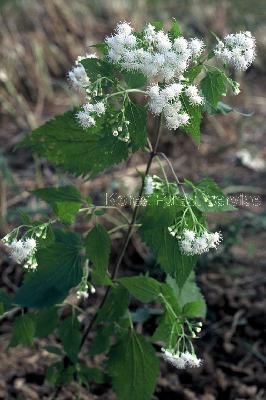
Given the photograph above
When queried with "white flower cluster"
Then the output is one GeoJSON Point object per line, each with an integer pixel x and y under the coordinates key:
{"type": "Point", "coordinates": [192, 244]}
{"type": "Point", "coordinates": [78, 76]}
{"type": "Point", "coordinates": [20, 250]}
{"type": "Point", "coordinates": [237, 49]}
{"type": "Point", "coordinates": [167, 100]}
{"type": "Point", "coordinates": [83, 291]}
{"type": "Point", "coordinates": [181, 360]}
{"type": "Point", "coordinates": [86, 117]}
{"type": "Point", "coordinates": [155, 54]}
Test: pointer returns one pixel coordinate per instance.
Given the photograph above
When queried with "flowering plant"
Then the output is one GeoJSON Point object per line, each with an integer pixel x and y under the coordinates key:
{"type": "Point", "coordinates": [177, 80]}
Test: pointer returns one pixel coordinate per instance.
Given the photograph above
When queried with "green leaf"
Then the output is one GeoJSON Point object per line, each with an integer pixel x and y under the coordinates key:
{"type": "Point", "coordinates": [63, 142]}
{"type": "Point", "coordinates": [97, 68]}
{"type": "Point", "coordinates": [54, 350]}
{"type": "Point", "coordinates": [175, 30]}
{"type": "Point", "coordinates": [134, 79]}
{"type": "Point", "coordinates": [6, 301]}
{"type": "Point", "coordinates": [87, 374]}
{"type": "Point", "coordinates": [70, 336]}
{"type": "Point", "coordinates": [98, 247]}
{"type": "Point", "coordinates": [154, 231]}
{"type": "Point", "coordinates": [137, 117]}
{"type": "Point", "coordinates": [145, 289]}
{"type": "Point", "coordinates": [208, 197]}
{"type": "Point", "coordinates": [101, 341]}
{"type": "Point", "coordinates": [195, 115]}
{"type": "Point", "coordinates": [158, 25]}
{"type": "Point", "coordinates": [195, 308]}
{"type": "Point", "coordinates": [65, 201]}
{"type": "Point", "coordinates": [192, 72]}
{"type": "Point", "coordinates": [213, 86]}
{"type": "Point", "coordinates": [23, 330]}
{"type": "Point", "coordinates": [190, 297]}
{"type": "Point", "coordinates": [134, 367]}
{"type": "Point", "coordinates": [115, 306]}
{"type": "Point", "coordinates": [59, 269]}
{"type": "Point", "coordinates": [46, 322]}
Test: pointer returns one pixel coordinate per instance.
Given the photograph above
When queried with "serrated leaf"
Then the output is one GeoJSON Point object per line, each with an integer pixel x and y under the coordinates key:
{"type": "Point", "coordinates": [97, 68]}
{"type": "Point", "coordinates": [134, 367]}
{"type": "Point", "coordinates": [23, 330]}
{"type": "Point", "coordinates": [59, 269]}
{"type": "Point", "coordinates": [65, 201]}
{"type": "Point", "coordinates": [208, 197]}
{"type": "Point", "coordinates": [98, 247]}
{"type": "Point", "coordinates": [87, 374]}
{"type": "Point", "coordinates": [195, 115]}
{"type": "Point", "coordinates": [63, 142]}
{"type": "Point", "coordinates": [115, 306]}
{"type": "Point", "coordinates": [70, 336]}
{"type": "Point", "coordinates": [144, 288]}
{"type": "Point", "coordinates": [134, 79]}
{"type": "Point", "coordinates": [191, 296]}
{"type": "Point", "coordinates": [46, 322]}
{"type": "Point", "coordinates": [192, 72]}
{"type": "Point", "coordinates": [137, 117]}
{"type": "Point", "coordinates": [213, 86]}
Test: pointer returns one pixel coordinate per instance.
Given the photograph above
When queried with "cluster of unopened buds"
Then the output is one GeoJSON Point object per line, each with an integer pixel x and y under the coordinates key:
{"type": "Point", "coordinates": [21, 250]}
{"type": "Point", "coordinates": [181, 360]}
{"type": "Point", "coordinates": [237, 49]}
{"type": "Point", "coordinates": [83, 291]}
{"type": "Point", "coordinates": [122, 132]}
{"type": "Point", "coordinates": [192, 243]}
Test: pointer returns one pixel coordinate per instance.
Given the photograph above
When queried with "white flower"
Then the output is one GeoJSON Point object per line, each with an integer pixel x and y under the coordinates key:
{"type": "Point", "coordinates": [149, 33]}
{"type": "Point", "coordinates": [99, 108]}
{"type": "Point", "coordinates": [163, 43]}
{"type": "Point", "coordinates": [85, 119]}
{"type": "Point", "coordinates": [149, 187]}
{"type": "Point", "coordinates": [237, 49]}
{"type": "Point", "coordinates": [196, 47]}
{"type": "Point", "coordinates": [189, 235]}
{"type": "Point", "coordinates": [180, 44]}
{"type": "Point", "coordinates": [123, 28]}
{"type": "Point", "coordinates": [174, 359]}
{"type": "Point", "coordinates": [193, 94]}
{"type": "Point", "coordinates": [20, 250]}
{"type": "Point", "coordinates": [78, 77]}
{"type": "Point", "coordinates": [30, 245]}
{"type": "Point", "coordinates": [80, 58]}
{"type": "Point", "coordinates": [181, 360]}
{"type": "Point", "coordinates": [191, 360]}
{"type": "Point", "coordinates": [172, 91]}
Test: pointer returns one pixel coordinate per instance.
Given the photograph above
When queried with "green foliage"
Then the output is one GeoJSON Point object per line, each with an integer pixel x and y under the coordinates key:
{"type": "Point", "coordinates": [156, 219]}
{"type": "Point", "coordinates": [134, 367]}
{"type": "Point", "coordinates": [213, 86]}
{"type": "Point", "coordinates": [6, 301]}
{"type": "Point", "coordinates": [208, 197]}
{"type": "Point", "coordinates": [145, 289]}
{"type": "Point", "coordinates": [175, 30]}
{"type": "Point", "coordinates": [70, 336]}
{"type": "Point", "coordinates": [134, 79]}
{"type": "Point", "coordinates": [64, 143]}
{"type": "Point", "coordinates": [189, 297]}
{"type": "Point", "coordinates": [46, 321]}
{"type": "Point", "coordinates": [137, 117]}
{"type": "Point", "coordinates": [98, 247]}
{"type": "Point", "coordinates": [115, 306]}
{"type": "Point", "coordinates": [65, 201]}
{"type": "Point", "coordinates": [23, 330]}
{"type": "Point", "coordinates": [195, 115]}
{"type": "Point", "coordinates": [101, 342]}
{"type": "Point", "coordinates": [97, 69]}
{"type": "Point", "coordinates": [59, 269]}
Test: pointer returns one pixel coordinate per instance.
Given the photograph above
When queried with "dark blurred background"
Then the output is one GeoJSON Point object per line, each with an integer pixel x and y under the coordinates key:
{"type": "Point", "coordinates": [40, 39]}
